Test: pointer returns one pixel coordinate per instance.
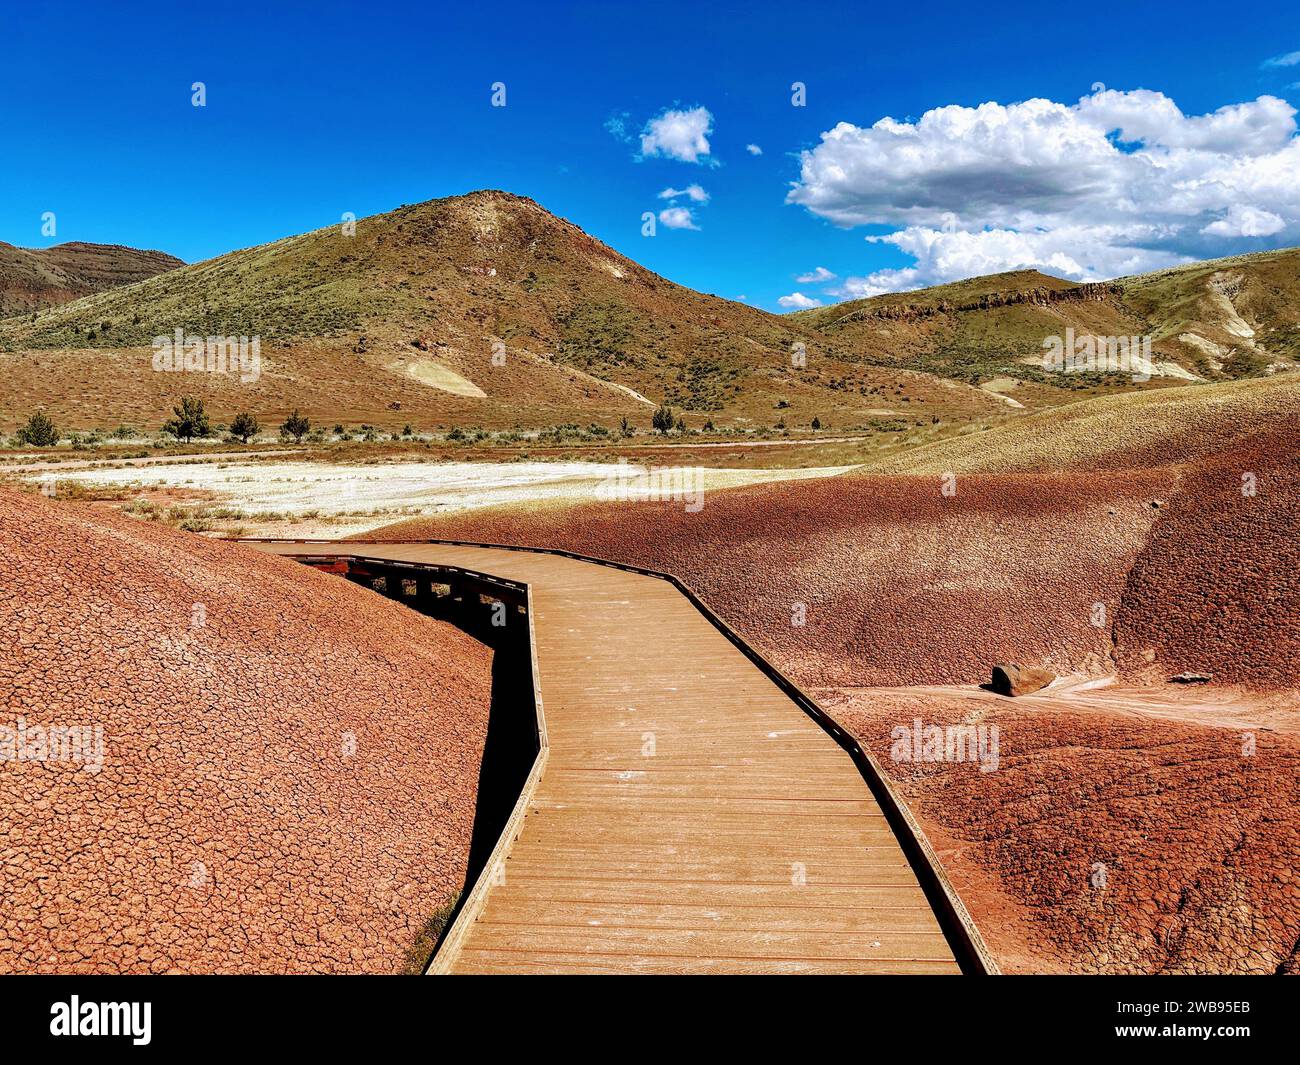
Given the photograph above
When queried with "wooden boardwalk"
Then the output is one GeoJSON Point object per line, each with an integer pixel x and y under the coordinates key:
{"type": "Point", "coordinates": [686, 815]}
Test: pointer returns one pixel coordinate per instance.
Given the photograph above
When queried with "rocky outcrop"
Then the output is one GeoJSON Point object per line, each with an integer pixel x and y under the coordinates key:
{"type": "Point", "coordinates": [1039, 296]}
{"type": "Point", "coordinates": [1013, 679]}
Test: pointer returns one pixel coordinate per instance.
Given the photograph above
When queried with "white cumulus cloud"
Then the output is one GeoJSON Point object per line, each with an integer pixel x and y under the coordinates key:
{"type": "Point", "coordinates": [815, 277]}
{"type": "Point", "coordinates": [692, 192]}
{"type": "Point", "coordinates": [753, 149]}
{"type": "Point", "coordinates": [1119, 182]}
{"type": "Point", "coordinates": [798, 301]}
{"type": "Point", "coordinates": [681, 135]}
{"type": "Point", "coordinates": [1246, 222]}
{"type": "Point", "coordinates": [677, 218]}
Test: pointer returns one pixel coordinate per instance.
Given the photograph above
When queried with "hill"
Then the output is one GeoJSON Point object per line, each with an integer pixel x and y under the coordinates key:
{"type": "Point", "coordinates": [1216, 320]}
{"type": "Point", "coordinates": [483, 309]}
{"type": "Point", "coordinates": [33, 279]}
{"type": "Point", "coordinates": [1141, 429]}
{"type": "Point", "coordinates": [288, 768]}
{"type": "Point", "coordinates": [479, 309]}
{"type": "Point", "coordinates": [486, 309]}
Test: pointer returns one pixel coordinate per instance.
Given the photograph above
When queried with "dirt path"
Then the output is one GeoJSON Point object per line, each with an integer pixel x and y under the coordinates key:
{"type": "Point", "coordinates": [1192, 704]}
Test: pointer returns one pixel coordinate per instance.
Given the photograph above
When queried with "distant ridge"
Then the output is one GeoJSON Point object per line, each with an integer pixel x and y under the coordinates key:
{"type": "Point", "coordinates": [37, 278]}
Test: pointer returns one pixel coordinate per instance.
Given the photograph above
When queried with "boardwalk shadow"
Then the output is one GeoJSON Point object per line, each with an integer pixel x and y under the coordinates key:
{"type": "Point", "coordinates": [509, 750]}
{"type": "Point", "coordinates": [510, 747]}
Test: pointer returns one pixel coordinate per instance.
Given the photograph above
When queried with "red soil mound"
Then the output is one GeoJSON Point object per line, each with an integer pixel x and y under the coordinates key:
{"type": "Point", "coordinates": [900, 583]}
{"type": "Point", "coordinates": [1108, 844]}
{"type": "Point", "coordinates": [1217, 588]}
{"type": "Point", "coordinates": [289, 768]}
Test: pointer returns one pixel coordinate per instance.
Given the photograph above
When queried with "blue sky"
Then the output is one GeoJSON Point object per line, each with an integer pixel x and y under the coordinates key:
{"type": "Point", "coordinates": [317, 109]}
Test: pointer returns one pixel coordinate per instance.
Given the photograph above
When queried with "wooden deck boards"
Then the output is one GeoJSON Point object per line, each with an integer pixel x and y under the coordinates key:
{"type": "Point", "coordinates": [746, 841]}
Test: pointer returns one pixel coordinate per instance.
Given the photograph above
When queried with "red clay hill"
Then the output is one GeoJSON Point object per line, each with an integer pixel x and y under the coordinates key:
{"type": "Point", "coordinates": [289, 762]}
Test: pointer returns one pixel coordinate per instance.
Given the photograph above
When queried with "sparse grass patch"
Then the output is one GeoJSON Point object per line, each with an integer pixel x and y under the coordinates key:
{"type": "Point", "coordinates": [81, 492]}
{"type": "Point", "coordinates": [420, 953]}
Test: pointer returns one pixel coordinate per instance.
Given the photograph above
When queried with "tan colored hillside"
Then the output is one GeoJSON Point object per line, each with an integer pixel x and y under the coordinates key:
{"type": "Point", "coordinates": [487, 310]}
{"type": "Point", "coordinates": [482, 309]}
{"type": "Point", "coordinates": [1114, 432]}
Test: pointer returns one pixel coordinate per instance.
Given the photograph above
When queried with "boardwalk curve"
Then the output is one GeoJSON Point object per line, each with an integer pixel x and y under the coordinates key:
{"type": "Point", "coordinates": [690, 810]}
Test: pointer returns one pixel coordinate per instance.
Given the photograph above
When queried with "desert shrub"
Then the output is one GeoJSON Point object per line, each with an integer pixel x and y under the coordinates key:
{"type": "Point", "coordinates": [244, 426]}
{"type": "Point", "coordinates": [38, 432]}
{"type": "Point", "coordinates": [297, 425]}
{"type": "Point", "coordinates": [663, 419]}
{"type": "Point", "coordinates": [190, 420]}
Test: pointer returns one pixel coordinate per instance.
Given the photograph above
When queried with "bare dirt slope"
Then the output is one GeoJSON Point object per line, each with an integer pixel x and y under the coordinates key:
{"type": "Point", "coordinates": [894, 583]}
{"type": "Point", "coordinates": [289, 762]}
{"type": "Point", "coordinates": [1217, 587]}
{"type": "Point", "coordinates": [1108, 841]}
